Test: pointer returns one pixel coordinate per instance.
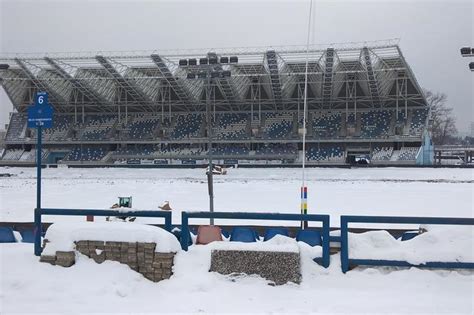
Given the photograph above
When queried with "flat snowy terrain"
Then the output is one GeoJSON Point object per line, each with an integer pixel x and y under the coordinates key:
{"type": "Point", "coordinates": [27, 286]}
{"type": "Point", "coordinates": [360, 191]}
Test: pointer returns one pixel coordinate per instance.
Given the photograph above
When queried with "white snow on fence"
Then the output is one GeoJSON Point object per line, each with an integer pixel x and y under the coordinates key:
{"type": "Point", "coordinates": [439, 244]}
{"type": "Point", "coordinates": [62, 235]}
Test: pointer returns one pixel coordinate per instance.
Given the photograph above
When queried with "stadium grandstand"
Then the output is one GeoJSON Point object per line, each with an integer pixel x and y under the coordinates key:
{"type": "Point", "coordinates": [363, 101]}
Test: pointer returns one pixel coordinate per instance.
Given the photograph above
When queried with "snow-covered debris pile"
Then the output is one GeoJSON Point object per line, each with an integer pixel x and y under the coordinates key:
{"type": "Point", "coordinates": [146, 249]}
{"type": "Point", "coordinates": [61, 236]}
{"type": "Point", "coordinates": [438, 244]}
{"type": "Point", "coordinates": [277, 260]}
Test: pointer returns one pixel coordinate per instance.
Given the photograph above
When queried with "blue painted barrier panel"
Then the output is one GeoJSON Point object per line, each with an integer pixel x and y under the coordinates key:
{"type": "Point", "coordinates": [27, 236]}
{"type": "Point", "coordinates": [6, 235]}
{"type": "Point", "coordinates": [346, 261]}
{"type": "Point", "coordinates": [310, 237]}
{"type": "Point", "coordinates": [259, 216]}
{"type": "Point", "coordinates": [99, 213]}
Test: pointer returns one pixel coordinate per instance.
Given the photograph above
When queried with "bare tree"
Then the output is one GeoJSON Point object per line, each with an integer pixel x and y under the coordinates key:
{"type": "Point", "coordinates": [443, 121]}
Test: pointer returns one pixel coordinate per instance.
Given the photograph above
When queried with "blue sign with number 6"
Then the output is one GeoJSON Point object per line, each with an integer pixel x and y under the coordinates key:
{"type": "Point", "coordinates": [41, 113]}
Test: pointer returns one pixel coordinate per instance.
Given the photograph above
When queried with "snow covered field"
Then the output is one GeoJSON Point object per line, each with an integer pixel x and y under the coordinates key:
{"type": "Point", "coordinates": [27, 286]}
{"type": "Point", "coordinates": [381, 191]}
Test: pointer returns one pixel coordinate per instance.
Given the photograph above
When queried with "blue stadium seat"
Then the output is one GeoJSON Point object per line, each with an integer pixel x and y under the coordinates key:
{"type": "Point", "coordinates": [6, 235]}
{"type": "Point", "coordinates": [243, 234]}
{"type": "Point", "coordinates": [225, 233]}
{"type": "Point", "coordinates": [27, 236]}
{"type": "Point", "coordinates": [375, 124]}
{"type": "Point", "coordinates": [408, 235]}
{"type": "Point", "coordinates": [271, 232]}
{"type": "Point", "coordinates": [325, 152]}
{"type": "Point", "coordinates": [326, 125]}
{"type": "Point", "coordinates": [310, 237]}
{"type": "Point", "coordinates": [177, 233]}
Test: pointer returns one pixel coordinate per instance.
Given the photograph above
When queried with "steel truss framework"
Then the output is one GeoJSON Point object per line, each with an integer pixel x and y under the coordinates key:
{"type": "Point", "coordinates": [339, 77]}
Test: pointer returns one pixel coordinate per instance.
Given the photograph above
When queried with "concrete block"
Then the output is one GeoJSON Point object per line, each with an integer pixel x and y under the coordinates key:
{"type": "Point", "coordinates": [164, 255]}
{"type": "Point", "coordinates": [166, 265]}
{"type": "Point", "coordinates": [65, 259]}
{"type": "Point", "coordinates": [82, 243]}
{"type": "Point", "coordinates": [150, 246]}
{"type": "Point", "coordinates": [50, 259]}
{"type": "Point", "coordinates": [83, 250]}
{"type": "Point", "coordinates": [96, 243]}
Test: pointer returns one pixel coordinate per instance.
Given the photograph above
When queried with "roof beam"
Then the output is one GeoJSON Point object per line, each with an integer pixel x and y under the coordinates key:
{"type": "Point", "coordinates": [55, 99]}
{"type": "Point", "coordinates": [90, 94]}
{"type": "Point", "coordinates": [224, 83]}
{"type": "Point", "coordinates": [272, 63]}
{"type": "Point", "coordinates": [111, 68]}
{"type": "Point", "coordinates": [326, 88]}
{"type": "Point", "coordinates": [373, 86]}
{"type": "Point", "coordinates": [166, 73]}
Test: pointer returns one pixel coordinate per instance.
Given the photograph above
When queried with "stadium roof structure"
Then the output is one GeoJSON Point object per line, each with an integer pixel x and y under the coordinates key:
{"type": "Point", "coordinates": [364, 75]}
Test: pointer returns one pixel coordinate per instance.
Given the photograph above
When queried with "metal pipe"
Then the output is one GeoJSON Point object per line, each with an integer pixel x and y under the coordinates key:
{"type": "Point", "coordinates": [210, 180]}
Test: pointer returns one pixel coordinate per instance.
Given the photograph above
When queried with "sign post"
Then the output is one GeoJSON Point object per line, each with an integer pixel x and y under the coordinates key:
{"type": "Point", "coordinates": [40, 116]}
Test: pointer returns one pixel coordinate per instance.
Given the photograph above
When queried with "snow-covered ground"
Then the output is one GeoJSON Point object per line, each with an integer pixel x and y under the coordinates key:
{"type": "Point", "coordinates": [27, 286]}
{"type": "Point", "coordinates": [360, 191]}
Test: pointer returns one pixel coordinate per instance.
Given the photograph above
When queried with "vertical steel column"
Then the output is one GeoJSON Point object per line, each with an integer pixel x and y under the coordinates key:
{"type": "Point", "coordinates": [168, 222]}
{"type": "Point", "coordinates": [38, 194]}
{"type": "Point", "coordinates": [184, 231]}
{"type": "Point", "coordinates": [344, 245]}
{"type": "Point", "coordinates": [326, 249]}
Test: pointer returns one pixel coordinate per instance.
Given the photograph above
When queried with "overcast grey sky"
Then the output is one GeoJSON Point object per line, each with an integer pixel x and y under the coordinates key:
{"type": "Point", "coordinates": [431, 32]}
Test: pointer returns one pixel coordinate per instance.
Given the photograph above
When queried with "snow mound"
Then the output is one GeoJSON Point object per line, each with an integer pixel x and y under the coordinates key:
{"type": "Point", "coordinates": [61, 236]}
{"type": "Point", "coordinates": [439, 244]}
{"type": "Point", "coordinates": [278, 243]}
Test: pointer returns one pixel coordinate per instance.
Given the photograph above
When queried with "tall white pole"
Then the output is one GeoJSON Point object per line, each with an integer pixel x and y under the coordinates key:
{"type": "Point", "coordinates": [304, 202]}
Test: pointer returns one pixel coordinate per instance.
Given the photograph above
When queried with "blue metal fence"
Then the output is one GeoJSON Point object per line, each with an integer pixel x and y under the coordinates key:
{"type": "Point", "coordinates": [259, 216]}
{"type": "Point", "coordinates": [346, 261]}
{"type": "Point", "coordinates": [99, 213]}
{"type": "Point", "coordinates": [324, 219]}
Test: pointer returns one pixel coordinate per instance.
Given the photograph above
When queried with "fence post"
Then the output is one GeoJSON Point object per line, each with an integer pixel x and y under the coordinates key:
{"type": "Point", "coordinates": [168, 222]}
{"type": "Point", "coordinates": [184, 231]}
{"type": "Point", "coordinates": [344, 245]}
{"type": "Point", "coordinates": [38, 232]}
{"type": "Point", "coordinates": [326, 256]}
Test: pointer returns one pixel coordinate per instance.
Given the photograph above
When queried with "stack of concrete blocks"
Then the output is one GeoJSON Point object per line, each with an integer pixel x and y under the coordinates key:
{"type": "Point", "coordinates": [140, 257]}
{"type": "Point", "coordinates": [64, 259]}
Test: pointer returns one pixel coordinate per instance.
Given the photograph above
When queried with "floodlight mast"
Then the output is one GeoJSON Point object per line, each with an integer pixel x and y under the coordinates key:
{"type": "Point", "coordinates": [468, 52]}
{"type": "Point", "coordinates": [208, 69]}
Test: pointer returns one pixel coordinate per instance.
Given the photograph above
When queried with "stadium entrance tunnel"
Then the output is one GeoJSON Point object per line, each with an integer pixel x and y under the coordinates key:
{"type": "Point", "coordinates": [358, 157]}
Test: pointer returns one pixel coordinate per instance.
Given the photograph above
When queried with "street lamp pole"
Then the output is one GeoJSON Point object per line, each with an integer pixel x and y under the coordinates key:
{"type": "Point", "coordinates": [210, 178]}
{"type": "Point", "coordinates": [208, 69]}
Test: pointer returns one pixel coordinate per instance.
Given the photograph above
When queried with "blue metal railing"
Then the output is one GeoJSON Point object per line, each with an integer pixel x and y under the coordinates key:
{"type": "Point", "coordinates": [100, 213]}
{"type": "Point", "coordinates": [258, 216]}
{"type": "Point", "coordinates": [346, 261]}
